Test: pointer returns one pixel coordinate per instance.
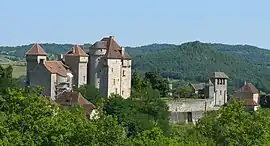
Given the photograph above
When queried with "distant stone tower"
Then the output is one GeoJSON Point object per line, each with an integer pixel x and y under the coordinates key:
{"type": "Point", "coordinates": [220, 87]}
{"type": "Point", "coordinates": [110, 68]}
{"type": "Point", "coordinates": [34, 56]}
{"type": "Point", "coordinates": [209, 90]}
{"type": "Point", "coordinates": [77, 60]}
{"type": "Point", "coordinates": [96, 63]}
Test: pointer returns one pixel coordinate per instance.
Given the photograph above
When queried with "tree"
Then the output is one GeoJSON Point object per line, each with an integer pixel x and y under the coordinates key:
{"type": "Point", "coordinates": [27, 118]}
{"type": "Point", "coordinates": [183, 91]}
{"type": "Point", "coordinates": [232, 126]}
{"type": "Point", "coordinates": [91, 93]}
{"type": "Point", "coordinates": [157, 82]}
{"type": "Point", "coordinates": [153, 137]}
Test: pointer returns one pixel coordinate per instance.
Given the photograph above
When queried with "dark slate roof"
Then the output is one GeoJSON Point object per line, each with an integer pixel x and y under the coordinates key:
{"type": "Point", "coordinates": [100, 45]}
{"type": "Point", "coordinates": [36, 50]}
{"type": "Point", "coordinates": [220, 75]}
{"type": "Point", "coordinates": [248, 87]}
{"type": "Point", "coordinates": [114, 51]}
{"type": "Point", "coordinates": [199, 86]}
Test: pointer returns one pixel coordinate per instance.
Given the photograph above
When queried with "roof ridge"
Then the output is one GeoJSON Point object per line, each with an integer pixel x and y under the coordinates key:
{"type": "Point", "coordinates": [76, 50]}
{"type": "Point", "coordinates": [36, 49]}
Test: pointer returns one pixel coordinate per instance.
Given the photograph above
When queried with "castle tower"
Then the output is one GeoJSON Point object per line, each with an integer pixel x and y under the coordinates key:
{"type": "Point", "coordinates": [77, 60]}
{"type": "Point", "coordinates": [33, 57]}
{"type": "Point", "coordinates": [96, 62]}
{"type": "Point", "coordinates": [220, 87]}
{"type": "Point", "coordinates": [110, 68]}
{"type": "Point", "coordinates": [209, 90]}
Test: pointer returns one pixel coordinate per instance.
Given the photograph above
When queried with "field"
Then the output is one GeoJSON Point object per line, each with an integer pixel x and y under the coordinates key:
{"type": "Point", "coordinates": [19, 69]}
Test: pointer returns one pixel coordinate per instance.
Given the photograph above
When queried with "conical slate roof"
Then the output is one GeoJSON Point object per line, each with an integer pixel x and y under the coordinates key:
{"type": "Point", "coordinates": [36, 50]}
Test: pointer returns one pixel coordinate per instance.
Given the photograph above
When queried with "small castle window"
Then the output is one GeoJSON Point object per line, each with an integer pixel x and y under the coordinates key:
{"type": "Point", "coordinates": [84, 78]}
{"type": "Point", "coordinates": [115, 90]}
{"type": "Point", "coordinates": [112, 69]}
{"type": "Point", "coordinates": [124, 73]}
{"type": "Point", "coordinates": [220, 92]}
{"type": "Point", "coordinates": [122, 92]}
{"type": "Point", "coordinates": [113, 81]}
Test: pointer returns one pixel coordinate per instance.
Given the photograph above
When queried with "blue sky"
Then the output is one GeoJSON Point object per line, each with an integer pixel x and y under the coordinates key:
{"type": "Point", "coordinates": [135, 22]}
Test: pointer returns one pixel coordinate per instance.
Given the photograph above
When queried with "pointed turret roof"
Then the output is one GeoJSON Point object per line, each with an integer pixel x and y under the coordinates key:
{"type": "Point", "coordinates": [36, 50]}
{"type": "Point", "coordinates": [76, 50]}
{"type": "Point", "coordinates": [114, 51]}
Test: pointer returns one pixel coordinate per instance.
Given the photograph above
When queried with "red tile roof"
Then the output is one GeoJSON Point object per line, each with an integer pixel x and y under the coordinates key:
{"type": "Point", "coordinates": [56, 67]}
{"type": "Point", "coordinates": [75, 98]}
{"type": "Point", "coordinates": [248, 87]}
{"type": "Point", "coordinates": [76, 50]}
{"type": "Point", "coordinates": [36, 50]}
{"type": "Point", "coordinates": [114, 51]}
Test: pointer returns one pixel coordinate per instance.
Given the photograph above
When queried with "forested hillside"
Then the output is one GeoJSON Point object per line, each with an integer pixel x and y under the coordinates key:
{"type": "Point", "coordinates": [196, 61]}
{"type": "Point", "coordinates": [193, 61]}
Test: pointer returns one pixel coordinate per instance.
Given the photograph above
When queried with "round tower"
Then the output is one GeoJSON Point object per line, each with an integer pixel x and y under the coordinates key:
{"type": "Point", "coordinates": [96, 63]}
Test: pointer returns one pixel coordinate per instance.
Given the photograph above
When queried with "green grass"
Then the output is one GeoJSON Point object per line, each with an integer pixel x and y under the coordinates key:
{"type": "Point", "coordinates": [18, 69]}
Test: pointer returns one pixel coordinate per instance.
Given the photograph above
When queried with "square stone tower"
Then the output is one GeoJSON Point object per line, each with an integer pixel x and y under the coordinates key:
{"type": "Point", "coordinates": [110, 68]}
{"type": "Point", "coordinates": [220, 88]}
{"type": "Point", "coordinates": [33, 57]}
{"type": "Point", "coordinates": [77, 61]}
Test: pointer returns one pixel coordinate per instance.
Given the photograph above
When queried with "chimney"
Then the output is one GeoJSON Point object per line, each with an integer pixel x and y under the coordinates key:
{"type": "Point", "coordinates": [112, 37]}
{"type": "Point", "coordinates": [122, 50]}
{"type": "Point", "coordinates": [245, 83]}
{"type": "Point", "coordinates": [60, 57]}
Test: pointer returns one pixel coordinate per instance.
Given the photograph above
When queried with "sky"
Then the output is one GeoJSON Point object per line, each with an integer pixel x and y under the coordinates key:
{"type": "Point", "coordinates": [135, 22]}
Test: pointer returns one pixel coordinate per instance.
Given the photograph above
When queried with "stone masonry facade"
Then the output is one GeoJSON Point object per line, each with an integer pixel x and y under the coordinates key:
{"type": "Point", "coordinates": [107, 67]}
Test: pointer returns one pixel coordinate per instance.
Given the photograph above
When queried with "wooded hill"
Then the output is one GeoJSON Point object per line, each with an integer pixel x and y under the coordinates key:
{"type": "Point", "coordinates": [192, 61]}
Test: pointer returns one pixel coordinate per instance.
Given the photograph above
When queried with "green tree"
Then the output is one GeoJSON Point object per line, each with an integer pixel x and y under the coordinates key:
{"type": "Point", "coordinates": [183, 91]}
{"type": "Point", "coordinates": [91, 93]}
{"type": "Point", "coordinates": [157, 82]}
{"type": "Point", "coordinates": [232, 126]}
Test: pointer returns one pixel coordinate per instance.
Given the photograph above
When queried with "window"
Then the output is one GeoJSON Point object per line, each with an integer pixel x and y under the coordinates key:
{"type": "Point", "coordinates": [113, 81]}
{"type": "Point", "coordinates": [115, 90]}
{"type": "Point", "coordinates": [124, 73]}
{"type": "Point", "coordinates": [84, 78]}
{"type": "Point", "coordinates": [122, 92]}
{"type": "Point", "coordinates": [112, 69]}
{"type": "Point", "coordinates": [220, 92]}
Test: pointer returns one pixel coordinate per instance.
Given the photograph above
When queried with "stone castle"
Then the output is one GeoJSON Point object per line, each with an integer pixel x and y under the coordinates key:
{"type": "Point", "coordinates": [107, 67]}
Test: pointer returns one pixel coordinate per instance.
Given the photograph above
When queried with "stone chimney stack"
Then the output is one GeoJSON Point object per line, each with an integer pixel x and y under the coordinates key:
{"type": "Point", "coordinates": [123, 51]}
{"type": "Point", "coordinates": [60, 57]}
{"type": "Point", "coordinates": [112, 37]}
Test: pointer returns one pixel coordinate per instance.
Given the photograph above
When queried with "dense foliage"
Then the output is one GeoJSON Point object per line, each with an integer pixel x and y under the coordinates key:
{"type": "Point", "coordinates": [196, 62]}
{"type": "Point", "coordinates": [28, 118]}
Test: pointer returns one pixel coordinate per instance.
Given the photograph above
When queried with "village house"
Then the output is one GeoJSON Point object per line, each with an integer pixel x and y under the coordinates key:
{"type": "Point", "coordinates": [70, 99]}
{"type": "Point", "coordinates": [249, 95]}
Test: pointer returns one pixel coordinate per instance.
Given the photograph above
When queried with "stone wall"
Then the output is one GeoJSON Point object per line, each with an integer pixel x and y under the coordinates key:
{"type": "Point", "coordinates": [189, 110]}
